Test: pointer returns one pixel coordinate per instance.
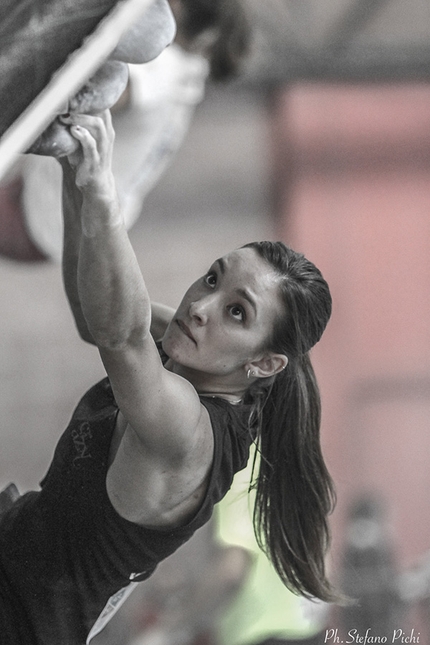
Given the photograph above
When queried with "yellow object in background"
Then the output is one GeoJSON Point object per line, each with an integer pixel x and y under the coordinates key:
{"type": "Point", "coordinates": [264, 608]}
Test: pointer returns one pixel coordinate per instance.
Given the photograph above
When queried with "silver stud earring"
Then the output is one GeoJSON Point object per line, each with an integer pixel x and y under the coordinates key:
{"type": "Point", "coordinates": [249, 374]}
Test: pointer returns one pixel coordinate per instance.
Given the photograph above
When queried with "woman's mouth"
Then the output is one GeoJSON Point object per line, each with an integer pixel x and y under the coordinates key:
{"type": "Point", "coordinates": [185, 330]}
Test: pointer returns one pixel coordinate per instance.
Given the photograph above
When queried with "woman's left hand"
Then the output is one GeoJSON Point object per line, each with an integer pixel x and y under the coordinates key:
{"type": "Point", "coordinates": [92, 162]}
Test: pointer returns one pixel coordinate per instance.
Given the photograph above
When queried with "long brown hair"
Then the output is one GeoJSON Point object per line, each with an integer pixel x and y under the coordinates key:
{"type": "Point", "coordinates": [294, 491]}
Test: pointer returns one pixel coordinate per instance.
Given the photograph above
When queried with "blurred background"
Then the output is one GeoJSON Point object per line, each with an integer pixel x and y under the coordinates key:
{"type": "Point", "coordinates": [322, 141]}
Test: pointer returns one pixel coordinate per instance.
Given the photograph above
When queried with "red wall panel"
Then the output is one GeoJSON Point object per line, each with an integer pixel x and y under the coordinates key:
{"type": "Point", "coordinates": [352, 168]}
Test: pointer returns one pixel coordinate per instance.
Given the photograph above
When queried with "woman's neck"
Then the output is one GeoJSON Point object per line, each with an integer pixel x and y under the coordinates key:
{"type": "Point", "coordinates": [231, 398]}
{"type": "Point", "coordinates": [209, 384]}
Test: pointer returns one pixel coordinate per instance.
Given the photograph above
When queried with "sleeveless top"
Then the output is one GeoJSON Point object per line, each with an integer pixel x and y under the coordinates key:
{"type": "Point", "coordinates": [66, 556]}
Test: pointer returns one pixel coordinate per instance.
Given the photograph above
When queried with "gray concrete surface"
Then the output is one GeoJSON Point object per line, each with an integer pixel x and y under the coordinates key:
{"type": "Point", "coordinates": [213, 198]}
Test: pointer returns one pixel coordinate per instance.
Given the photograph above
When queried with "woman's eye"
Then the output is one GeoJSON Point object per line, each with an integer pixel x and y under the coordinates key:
{"type": "Point", "coordinates": [210, 279]}
{"type": "Point", "coordinates": [237, 312]}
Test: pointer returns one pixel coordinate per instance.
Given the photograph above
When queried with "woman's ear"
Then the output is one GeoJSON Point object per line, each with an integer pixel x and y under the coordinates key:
{"type": "Point", "coordinates": [268, 365]}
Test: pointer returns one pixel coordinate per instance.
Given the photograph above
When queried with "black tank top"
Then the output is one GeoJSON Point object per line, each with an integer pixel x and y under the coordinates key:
{"type": "Point", "coordinates": [66, 555]}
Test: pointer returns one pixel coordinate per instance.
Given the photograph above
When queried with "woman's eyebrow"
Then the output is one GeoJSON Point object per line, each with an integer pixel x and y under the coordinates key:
{"type": "Point", "coordinates": [247, 296]}
{"type": "Point", "coordinates": [244, 293]}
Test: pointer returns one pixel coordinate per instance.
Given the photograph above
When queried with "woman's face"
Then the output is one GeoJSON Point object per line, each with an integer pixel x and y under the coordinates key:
{"type": "Point", "coordinates": [226, 317]}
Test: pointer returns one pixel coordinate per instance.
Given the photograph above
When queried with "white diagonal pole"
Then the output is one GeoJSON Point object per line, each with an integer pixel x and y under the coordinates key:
{"type": "Point", "coordinates": [68, 79]}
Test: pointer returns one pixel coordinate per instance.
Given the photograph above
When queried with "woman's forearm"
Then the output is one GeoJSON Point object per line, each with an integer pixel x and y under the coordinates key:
{"type": "Point", "coordinates": [72, 204]}
{"type": "Point", "coordinates": [103, 280]}
{"type": "Point", "coordinates": [111, 289]}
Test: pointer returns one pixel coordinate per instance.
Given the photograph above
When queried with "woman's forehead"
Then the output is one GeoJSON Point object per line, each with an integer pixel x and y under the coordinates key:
{"type": "Point", "coordinates": [246, 259]}
{"type": "Point", "coordinates": [246, 264]}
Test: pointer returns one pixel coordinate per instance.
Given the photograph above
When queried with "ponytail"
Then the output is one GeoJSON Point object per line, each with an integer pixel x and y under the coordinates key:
{"type": "Point", "coordinates": [294, 491]}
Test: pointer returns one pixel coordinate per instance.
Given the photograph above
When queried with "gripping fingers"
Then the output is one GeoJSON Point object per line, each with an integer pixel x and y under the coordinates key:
{"type": "Point", "coordinates": [85, 138]}
{"type": "Point", "coordinates": [88, 160]}
{"type": "Point", "coordinates": [99, 126]}
{"type": "Point", "coordinates": [93, 162]}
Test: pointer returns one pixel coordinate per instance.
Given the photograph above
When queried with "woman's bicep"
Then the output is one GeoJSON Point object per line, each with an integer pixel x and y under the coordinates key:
{"type": "Point", "coordinates": [162, 408]}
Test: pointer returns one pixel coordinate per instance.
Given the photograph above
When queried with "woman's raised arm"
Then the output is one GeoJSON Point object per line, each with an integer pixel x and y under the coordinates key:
{"type": "Point", "coordinates": [161, 314]}
{"type": "Point", "coordinates": [162, 408]}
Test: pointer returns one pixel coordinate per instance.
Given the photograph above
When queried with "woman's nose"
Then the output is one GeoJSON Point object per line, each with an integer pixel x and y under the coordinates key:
{"type": "Point", "coordinates": [199, 311]}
